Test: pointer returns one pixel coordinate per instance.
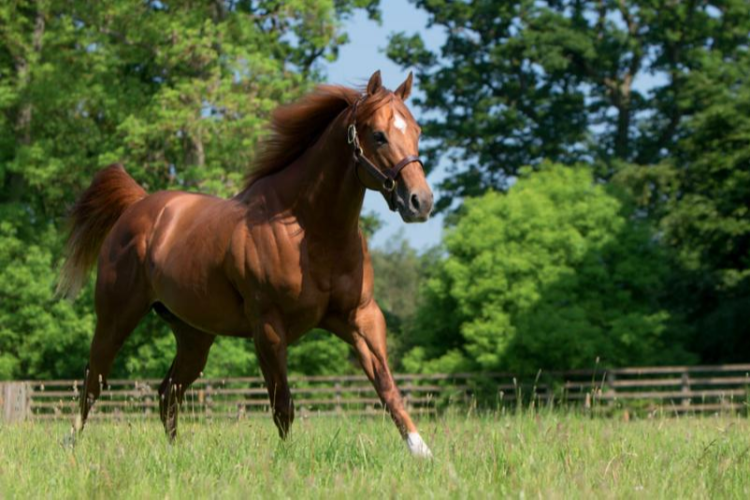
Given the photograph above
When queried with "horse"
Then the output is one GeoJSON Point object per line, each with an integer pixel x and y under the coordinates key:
{"type": "Point", "coordinates": [283, 256]}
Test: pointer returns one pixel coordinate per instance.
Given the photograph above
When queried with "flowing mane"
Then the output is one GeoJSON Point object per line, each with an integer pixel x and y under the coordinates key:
{"type": "Point", "coordinates": [295, 127]}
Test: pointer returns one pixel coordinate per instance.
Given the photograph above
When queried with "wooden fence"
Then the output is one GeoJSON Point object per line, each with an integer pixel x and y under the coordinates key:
{"type": "Point", "coordinates": [674, 390]}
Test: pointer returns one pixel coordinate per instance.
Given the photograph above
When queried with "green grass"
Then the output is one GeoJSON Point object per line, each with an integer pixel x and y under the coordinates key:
{"type": "Point", "coordinates": [550, 455]}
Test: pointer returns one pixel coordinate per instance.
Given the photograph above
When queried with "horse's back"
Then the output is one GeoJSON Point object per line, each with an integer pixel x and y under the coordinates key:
{"type": "Point", "coordinates": [155, 223]}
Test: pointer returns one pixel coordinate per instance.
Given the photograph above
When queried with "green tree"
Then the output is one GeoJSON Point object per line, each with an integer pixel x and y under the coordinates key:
{"type": "Point", "coordinates": [177, 90]}
{"type": "Point", "coordinates": [520, 81]}
{"type": "Point", "coordinates": [39, 336]}
{"type": "Point", "coordinates": [398, 274]}
{"type": "Point", "coordinates": [320, 353]}
{"type": "Point", "coordinates": [699, 200]}
{"type": "Point", "coordinates": [554, 274]}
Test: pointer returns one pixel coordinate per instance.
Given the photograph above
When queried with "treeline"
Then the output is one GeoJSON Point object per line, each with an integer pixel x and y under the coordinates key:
{"type": "Point", "coordinates": [598, 196]}
{"type": "Point", "coordinates": [178, 91]}
{"type": "Point", "coordinates": [635, 248]}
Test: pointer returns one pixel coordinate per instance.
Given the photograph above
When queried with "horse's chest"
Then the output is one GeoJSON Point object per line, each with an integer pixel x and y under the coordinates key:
{"type": "Point", "coordinates": [281, 274]}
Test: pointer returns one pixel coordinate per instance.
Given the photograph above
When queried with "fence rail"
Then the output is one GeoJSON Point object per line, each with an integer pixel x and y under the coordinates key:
{"type": "Point", "coordinates": [676, 389]}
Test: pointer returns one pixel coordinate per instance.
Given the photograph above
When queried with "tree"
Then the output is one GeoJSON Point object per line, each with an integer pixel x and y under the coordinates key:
{"type": "Point", "coordinates": [698, 198]}
{"type": "Point", "coordinates": [517, 82]}
{"type": "Point", "coordinates": [178, 91]}
{"type": "Point", "coordinates": [39, 335]}
{"type": "Point", "coordinates": [398, 275]}
{"type": "Point", "coordinates": [552, 275]}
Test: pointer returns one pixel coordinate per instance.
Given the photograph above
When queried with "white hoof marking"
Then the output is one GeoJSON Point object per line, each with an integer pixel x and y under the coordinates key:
{"type": "Point", "coordinates": [417, 446]}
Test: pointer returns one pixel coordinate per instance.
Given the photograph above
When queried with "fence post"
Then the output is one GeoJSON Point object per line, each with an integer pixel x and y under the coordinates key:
{"type": "Point", "coordinates": [16, 401]}
{"type": "Point", "coordinates": [208, 401]}
{"type": "Point", "coordinates": [338, 408]}
{"type": "Point", "coordinates": [685, 388]}
{"type": "Point", "coordinates": [611, 391]}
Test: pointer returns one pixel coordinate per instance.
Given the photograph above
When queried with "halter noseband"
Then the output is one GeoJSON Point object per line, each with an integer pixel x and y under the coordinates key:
{"type": "Point", "coordinates": [386, 179]}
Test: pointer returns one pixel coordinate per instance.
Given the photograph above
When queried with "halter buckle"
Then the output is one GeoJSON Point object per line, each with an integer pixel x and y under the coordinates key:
{"type": "Point", "coordinates": [351, 134]}
{"type": "Point", "coordinates": [389, 185]}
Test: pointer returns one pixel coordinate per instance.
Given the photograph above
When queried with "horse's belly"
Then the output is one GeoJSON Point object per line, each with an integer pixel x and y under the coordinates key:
{"type": "Point", "coordinates": [195, 289]}
{"type": "Point", "coordinates": [218, 312]}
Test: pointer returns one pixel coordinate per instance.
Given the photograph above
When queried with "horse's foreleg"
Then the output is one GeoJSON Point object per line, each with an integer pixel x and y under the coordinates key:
{"type": "Point", "coordinates": [368, 336]}
{"type": "Point", "coordinates": [193, 347]}
{"type": "Point", "coordinates": [270, 345]}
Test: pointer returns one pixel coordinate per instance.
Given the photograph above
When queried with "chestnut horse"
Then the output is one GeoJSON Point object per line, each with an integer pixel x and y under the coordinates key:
{"type": "Point", "coordinates": [282, 257]}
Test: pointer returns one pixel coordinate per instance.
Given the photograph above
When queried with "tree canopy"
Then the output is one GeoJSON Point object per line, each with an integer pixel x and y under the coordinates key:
{"type": "Point", "coordinates": [517, 82]}
{"type": "Point", "coordinates": [651, 96]}
{"type": "Point", "coordinates": [555, 274]}
{"type": "Point", "coordinates": [598, 155]}
{"type": "Point", "coordinates": [178, 91]}
{"type": "Point", "coordinates": [698, 200]}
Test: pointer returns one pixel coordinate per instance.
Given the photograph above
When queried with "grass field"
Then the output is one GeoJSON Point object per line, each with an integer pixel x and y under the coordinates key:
{"type": "Point", "coordinates": [522, 456]}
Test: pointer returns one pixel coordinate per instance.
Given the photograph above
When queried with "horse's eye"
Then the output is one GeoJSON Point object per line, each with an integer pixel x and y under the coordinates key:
{"type": "Point", "coordinates": [380, 138]}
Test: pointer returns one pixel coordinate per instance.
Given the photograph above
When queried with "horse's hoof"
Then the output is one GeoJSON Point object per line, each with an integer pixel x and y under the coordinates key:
{"type": "Point", "coordinates": [78, 424]}
{"type": "Point", "coordinates": [417, 447]}
{"type": "Point", "coordinates": [69, 440]}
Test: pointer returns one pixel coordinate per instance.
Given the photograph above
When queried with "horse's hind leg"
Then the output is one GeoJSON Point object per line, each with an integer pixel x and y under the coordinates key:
{"type": "Point", "coordinates": [193, 347]}
{"type": "Point", "coordinates": [116, 320]}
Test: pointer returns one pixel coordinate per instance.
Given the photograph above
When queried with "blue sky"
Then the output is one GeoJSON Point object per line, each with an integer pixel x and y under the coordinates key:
{"type": "Point", "coordinates": [362, 56]}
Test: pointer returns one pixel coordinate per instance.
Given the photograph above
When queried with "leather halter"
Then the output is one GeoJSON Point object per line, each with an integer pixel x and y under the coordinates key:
{"type": "Point", "coordinates": [386, 179]}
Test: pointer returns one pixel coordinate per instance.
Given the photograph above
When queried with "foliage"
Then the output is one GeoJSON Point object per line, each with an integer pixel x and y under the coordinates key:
{"type": "Point", "coordinates": [653, 97]}
{"type": "Point", "coordinates": [370, 223]}
{"type": "Point", "coordinates": [520, 81]}
{"type": "Point", "coordinates": [39, 336]}
{"type": "Point", "coordinates": [698, 198]}
{"type": "Point", "coordinates": [553, 275]}
{"type": "Point", "coordinates": [397, 277]}
{"type": "Point", "coordinates": [320, 353]}
{"type": "Point", "coordinates": [398, 274]}
{"type": "Point", "coordinates": [490, 456]}
{"type": "Point", "coordinates": [178, 91]}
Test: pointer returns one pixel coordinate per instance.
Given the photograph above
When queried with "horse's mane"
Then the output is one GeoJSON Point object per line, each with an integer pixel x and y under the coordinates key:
{"type": "Point", "coordinates": [296, 127]}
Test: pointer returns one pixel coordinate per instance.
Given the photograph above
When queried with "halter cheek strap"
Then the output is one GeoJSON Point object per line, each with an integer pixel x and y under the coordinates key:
{"type": "Point", "coordinates": [386, 179]}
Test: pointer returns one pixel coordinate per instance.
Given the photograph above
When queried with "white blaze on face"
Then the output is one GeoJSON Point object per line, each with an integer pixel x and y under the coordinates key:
{"type": "Point", "coordinates": [399, 122]}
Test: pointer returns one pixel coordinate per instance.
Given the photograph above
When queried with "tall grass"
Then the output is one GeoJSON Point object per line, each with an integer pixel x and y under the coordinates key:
{"type": "Point", "coordinates": [543, 454]}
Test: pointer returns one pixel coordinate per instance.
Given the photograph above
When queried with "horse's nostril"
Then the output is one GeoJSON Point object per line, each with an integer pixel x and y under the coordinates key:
{"type": "Point", "coordinates": [415, 202]}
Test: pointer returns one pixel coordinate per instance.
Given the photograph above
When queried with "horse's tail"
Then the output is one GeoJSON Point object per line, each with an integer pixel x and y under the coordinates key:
{"type": "Point", "coordinates": [111, 192]}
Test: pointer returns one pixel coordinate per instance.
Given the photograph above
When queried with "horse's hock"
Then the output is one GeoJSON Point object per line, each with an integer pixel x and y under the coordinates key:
{"type": "Point", "coordinates": [15, 401]}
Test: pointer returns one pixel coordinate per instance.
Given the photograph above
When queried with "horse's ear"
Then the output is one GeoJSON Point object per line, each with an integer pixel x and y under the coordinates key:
{"type": "Point", "coordinates": [375, 83]}
{"type": "Point", "coordinates": [404, 90]}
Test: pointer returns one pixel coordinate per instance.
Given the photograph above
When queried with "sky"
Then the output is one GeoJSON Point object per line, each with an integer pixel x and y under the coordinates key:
{"type": "Point", "coordinates": [360, 58]}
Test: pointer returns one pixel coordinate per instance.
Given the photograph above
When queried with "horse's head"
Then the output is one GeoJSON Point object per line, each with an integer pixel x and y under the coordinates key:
{"type": "Point", "coordinates": [385, 138]}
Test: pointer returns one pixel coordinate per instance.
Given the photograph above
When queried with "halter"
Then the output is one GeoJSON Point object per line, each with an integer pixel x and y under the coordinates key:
{"type": "Point", "coordinates": [385, 178]}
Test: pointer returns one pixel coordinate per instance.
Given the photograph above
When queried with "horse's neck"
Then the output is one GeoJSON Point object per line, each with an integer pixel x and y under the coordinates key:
{"type": "Point", "coordinates": [321, 188]}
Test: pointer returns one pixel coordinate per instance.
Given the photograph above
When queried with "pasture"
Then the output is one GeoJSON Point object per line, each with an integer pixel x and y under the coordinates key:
{"type": "Point", "coordinates": [548, 454]}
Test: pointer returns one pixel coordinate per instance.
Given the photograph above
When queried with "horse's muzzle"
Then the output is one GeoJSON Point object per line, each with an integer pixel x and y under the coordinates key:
{"type": "Point", "coordinates": [415, 206]}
